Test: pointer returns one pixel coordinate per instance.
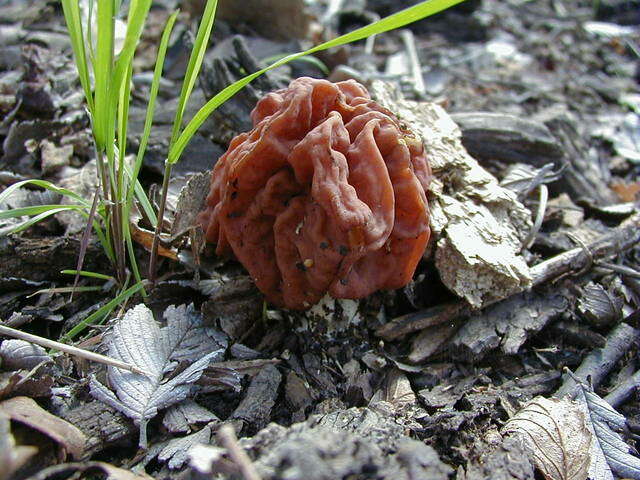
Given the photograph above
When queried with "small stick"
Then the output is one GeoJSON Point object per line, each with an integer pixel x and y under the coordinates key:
{"type": "Point", "coordinates": [601, 361]}
{"type": "Point", "coordinates": [416, 70]}
{"type": "Point", "coordinates": [622, 392]}
{"type": "Point", "coordinates": [227, 438]}
{"type": "Point", "coordinates": [45, 342]}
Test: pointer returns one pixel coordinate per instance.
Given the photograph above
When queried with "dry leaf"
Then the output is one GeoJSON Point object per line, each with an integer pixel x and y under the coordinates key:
{"type": "Point", "coordinates": [556, 435]}
{"type": "Point", "coordinates": [138, 340]}
{"type": "Point", "coordinates": [628, 192]}
{"type": "Point", "coordinates": [609, 452]}
{"type": "Point", "coordinates": [182, 416]}
{"type": "Point", "coordinates": [28, 412]}
{"type": "Point", "coordinates": [12, 457]}
{"type": "Point", "coordinates": [18, 354]}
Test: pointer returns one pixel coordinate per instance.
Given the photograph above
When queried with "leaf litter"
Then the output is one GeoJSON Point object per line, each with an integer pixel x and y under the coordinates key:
{"type": "Point", "coordinates": [609, 452]}
{"type": "Point", "coordinates": [456, 406]}
{"type": "Point", "coordinates": [138, 340]}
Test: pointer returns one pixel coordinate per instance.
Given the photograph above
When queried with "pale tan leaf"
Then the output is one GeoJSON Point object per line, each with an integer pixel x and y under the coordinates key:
{"type": "Point", "coordinates": [556, 435]}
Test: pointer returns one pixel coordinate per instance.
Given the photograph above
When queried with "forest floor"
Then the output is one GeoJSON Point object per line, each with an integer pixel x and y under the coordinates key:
{"type": "Point", "coordinates": [432, 381]}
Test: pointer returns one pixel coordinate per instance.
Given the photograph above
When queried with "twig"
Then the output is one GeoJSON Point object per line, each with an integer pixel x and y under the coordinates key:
{"type": "Point", "coordinates": [414, 62]}
{"type": "Point", "coordinates": [624, 391]}
{"type": "Point", "coordinates": [45, 342]}
{"type": "Point", "coordinates": [619, 239]}
{"type": "Point", "coordinates": [600, 361]}
{"type": "Point", "coordinates": [227, 438]}
{"type": "Point", "coordinates": [621, 269]}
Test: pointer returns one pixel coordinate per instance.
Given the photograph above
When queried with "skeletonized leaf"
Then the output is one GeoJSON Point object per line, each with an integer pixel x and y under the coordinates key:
{"type": "Point", "coordinates": [556, 435]}
{"type": "Point", "coordinates": [138, 340]}
{"type": "Point", "coordinates": [609, 452]}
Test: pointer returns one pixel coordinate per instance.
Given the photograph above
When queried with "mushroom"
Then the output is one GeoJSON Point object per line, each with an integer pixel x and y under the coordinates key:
{"type": "Point", "coordinates": [325, 194]}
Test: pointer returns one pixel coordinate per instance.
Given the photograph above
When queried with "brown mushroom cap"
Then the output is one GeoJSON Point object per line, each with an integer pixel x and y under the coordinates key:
{"type": "Point", "coordinates": [325, 194]}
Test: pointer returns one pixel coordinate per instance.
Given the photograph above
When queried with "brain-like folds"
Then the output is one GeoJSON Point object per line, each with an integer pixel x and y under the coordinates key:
{"type": "Point", "coordinates": [325, 194]}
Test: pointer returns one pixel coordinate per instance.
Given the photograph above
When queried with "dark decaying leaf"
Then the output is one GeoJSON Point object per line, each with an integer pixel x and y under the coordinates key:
{"type": "Point", "coordinates": [182, 416]}
{"type": "Point", "coordinates": [598, 306]}
{"type": "Point", "coordinates": [609, 452]}
{"type": "Point", "coordinates": [18, 354]}
{"type": "Point", "coordinates": [190, 202]}
{"type": "Point", "coordinates": [175, 451]}
{"type": "Point", "coordinates": [138, 340]}
{"type": "Point", "coordinates": [220, 377]}
{"type": "Point", "coordinates": [27, 383]}
{"type": "Point", "coordinates": [28, 412]}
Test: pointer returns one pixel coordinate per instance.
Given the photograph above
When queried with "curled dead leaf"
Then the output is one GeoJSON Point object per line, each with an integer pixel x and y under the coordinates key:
{"type": "Point", "coordinates": [27, 411]}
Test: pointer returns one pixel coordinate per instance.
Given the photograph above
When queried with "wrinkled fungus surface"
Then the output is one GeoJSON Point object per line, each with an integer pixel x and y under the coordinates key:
{"type": "Point", "coordinates": [325, 194]}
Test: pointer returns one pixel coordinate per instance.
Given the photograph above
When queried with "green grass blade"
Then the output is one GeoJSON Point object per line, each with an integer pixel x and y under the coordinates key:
{"type": "Point", "coordinates": [319, 64]}
{"type": "Point", "coordinates": [86, 273]}
{"type": "Point", "coordinates": [101, 314]}
{"type": "Point", "coordinates": [36, 219]}
{"type": "Point", "coordinates": [35, 210]}
{"type": "Point", "coordinates": [66, 290]}
{"type": "Point", "coordinates": [124, 99]}
{"type": "Point", "coordinates": [134, 185]}
{"type": "Point", "coordinates": [104, 241]}
{"type": "Point", "coordinates": [132, 256]}
{"type": "Point", "coordinates": [103, 69]}
{"type": "Point", "coordinates": [397, 20]}
{"type": "Point", "coordinates": [136, 18]}
{"type": "Point", "coordinates": [141, 195]}
{"type": "Point", "coordinates": [46, 185]}
{"type": "Point", "coordinates": [195, 62]}
{"type": "Point", "coordinates": [72, 17]}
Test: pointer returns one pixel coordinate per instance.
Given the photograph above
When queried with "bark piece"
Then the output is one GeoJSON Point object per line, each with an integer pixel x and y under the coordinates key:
{"type": "Point", "coordinates": [614, 242]}
{"type": "Point", "coordinates": [255, 408]}
{"type": "Point", "coordinates": [497, 459]}
{"type": "Point", "coordinates": [496, 136]}
{"type": "Point", "coordinates": [102, 426]}
{"type": "Point", "coordinates": [507, 325]}
{"type": "Point", "coordinates": [479, 226]}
